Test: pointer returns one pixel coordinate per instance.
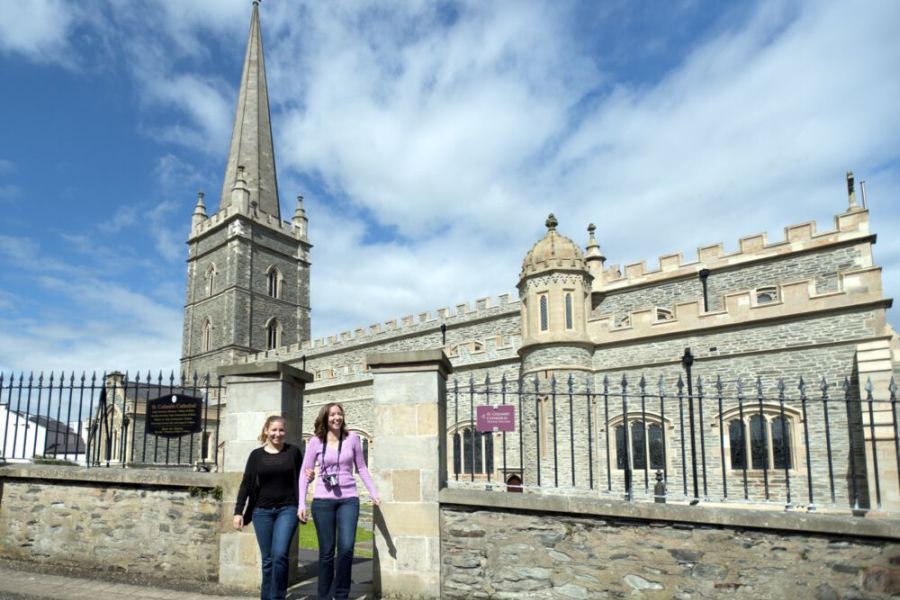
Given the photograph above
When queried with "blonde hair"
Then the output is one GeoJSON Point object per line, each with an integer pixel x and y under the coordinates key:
{"type": "Point", "coordinates": [263, 436]}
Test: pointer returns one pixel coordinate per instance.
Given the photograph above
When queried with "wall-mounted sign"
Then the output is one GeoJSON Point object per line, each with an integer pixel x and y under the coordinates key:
{"type": "Point", "coordinates": [174, 415]}
{"type": "Point", "coordinates": [495, 418]}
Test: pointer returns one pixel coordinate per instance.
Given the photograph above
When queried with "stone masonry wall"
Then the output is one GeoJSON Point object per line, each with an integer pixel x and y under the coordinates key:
{"type": "Point", "coordinates": [823, 266]}
{"type": "Point", "coordinates": [107, 520]}
{"type": "Point", "coordinates": [497, 553]}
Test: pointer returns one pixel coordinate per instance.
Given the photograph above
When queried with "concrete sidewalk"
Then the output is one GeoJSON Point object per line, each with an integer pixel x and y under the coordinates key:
{"type": "Point", "coordinates": [19, 583]}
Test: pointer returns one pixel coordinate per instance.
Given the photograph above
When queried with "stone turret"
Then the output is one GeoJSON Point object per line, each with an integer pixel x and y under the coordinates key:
{"type": "Point", "coordinates": [300, 222]}
{"type": "Point", "coordinates": [555, 291]}
{"type": "Point", "coordinates": [555, 287]}
{"type": "Point", "coordinates": [594, 258]}
{"type": "Point", "coordinates": [240, 193]}
{"type": "Point", "coordinates": [199, 211]}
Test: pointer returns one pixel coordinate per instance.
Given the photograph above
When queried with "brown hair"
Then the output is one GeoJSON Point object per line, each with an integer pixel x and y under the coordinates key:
{"type": "Point", "coordinates": [321, 427]}
{"type": "Point", "coordinates": [272, 418]}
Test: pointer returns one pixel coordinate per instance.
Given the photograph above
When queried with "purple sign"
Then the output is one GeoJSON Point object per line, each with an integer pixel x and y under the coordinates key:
{"type": "Point", "coordinates": [495, 418]}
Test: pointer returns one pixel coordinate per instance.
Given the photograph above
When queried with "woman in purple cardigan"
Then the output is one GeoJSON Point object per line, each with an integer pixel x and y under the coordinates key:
{"type": "Point", "coordinates": [335, 507]}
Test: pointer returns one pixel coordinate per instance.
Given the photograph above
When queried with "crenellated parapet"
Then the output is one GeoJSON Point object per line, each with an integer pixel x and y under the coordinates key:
{"type": "Point", "coordinates": [795, 299]}
{"type": "Point", "coordinates": [229, 212]}
{"type": "Point", "coordinates": [465, 313]}
{"type": "Point", "coordinates": [848, 226]}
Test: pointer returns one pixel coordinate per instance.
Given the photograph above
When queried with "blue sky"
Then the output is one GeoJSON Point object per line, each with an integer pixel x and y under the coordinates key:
{"type": "Point", "coordinates": [430, 140]}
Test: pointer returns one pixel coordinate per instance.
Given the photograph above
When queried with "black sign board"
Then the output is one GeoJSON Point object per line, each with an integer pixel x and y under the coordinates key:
{"type": "Point", "coordinates": [174, 415]}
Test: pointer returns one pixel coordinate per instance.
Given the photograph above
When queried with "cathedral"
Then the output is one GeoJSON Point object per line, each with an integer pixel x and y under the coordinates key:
{"type": "Point", "coordinates": [593, 355]}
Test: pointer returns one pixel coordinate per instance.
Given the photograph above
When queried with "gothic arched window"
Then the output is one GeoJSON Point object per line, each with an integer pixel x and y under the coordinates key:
{"type": "Point", "coordinates": [473, 451]}
{"type": "Point", "coordinates": [273, 334]}
{"type": "Point", "coordinates": [209, 280]}
{"type": "Point", "coordinates": [207, 336]}
{"type": "Point", "coordinates": [765, 438]}
{"type": "Point", "coordinates": [569, 313]}
{"type": "Point", "coordinates": [545, 317]}
{"type": "Point", "coordinates": [645, 441]}
{"type": "Point", "coordinates": [274, 282]}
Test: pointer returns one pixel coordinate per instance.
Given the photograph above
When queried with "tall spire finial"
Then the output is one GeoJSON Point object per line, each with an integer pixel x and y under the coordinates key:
{"type": "Point", "coordinates": [251, 138]}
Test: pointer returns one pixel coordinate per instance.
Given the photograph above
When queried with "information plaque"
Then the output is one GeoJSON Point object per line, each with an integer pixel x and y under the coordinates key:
{"type": "Point", "coordinates": [174, 415]}
{"type": "Point", "coordinates": [495, 418]}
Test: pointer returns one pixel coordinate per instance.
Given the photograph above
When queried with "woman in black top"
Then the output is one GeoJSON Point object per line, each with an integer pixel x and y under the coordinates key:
{"type": "Point", "coordinates": [269, 489]}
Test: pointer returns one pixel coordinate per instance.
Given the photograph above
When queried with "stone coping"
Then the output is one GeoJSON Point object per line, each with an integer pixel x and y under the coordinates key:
{"type": "Point", "coordinates": [718, 516]}
{"type": "Point", "coordinates": [411, 359]}
{"type": "Point", "coordinates": [265, 369]}
{"type": "Point", "coordinates": [113, 475]}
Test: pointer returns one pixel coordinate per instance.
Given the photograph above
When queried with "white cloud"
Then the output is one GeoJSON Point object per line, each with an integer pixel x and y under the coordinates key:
{"type": "Point", "coordinates": [442, 143]}
{"type": "Point", "coordinates": [38, 29]}
{"type": "Point", "coordinates": [75, 318]}
{"type": "Point", "coordinates": [463, 140]}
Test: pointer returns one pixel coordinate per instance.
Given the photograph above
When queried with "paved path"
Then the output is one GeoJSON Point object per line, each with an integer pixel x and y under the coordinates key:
{"type": "Point", "coordinates": [16, 583]}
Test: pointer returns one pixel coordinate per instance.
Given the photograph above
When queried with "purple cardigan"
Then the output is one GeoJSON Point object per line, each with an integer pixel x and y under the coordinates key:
{"type": "Point", "coordinates": [351, 453]}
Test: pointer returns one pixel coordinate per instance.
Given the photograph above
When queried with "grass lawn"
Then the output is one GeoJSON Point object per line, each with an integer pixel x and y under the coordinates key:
{"type": "Point", "coordinates": [309, 540]}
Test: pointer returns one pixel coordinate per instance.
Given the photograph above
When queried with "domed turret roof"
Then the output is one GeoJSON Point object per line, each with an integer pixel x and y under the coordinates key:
{"type": "Point", "coordinates": [553, 251]}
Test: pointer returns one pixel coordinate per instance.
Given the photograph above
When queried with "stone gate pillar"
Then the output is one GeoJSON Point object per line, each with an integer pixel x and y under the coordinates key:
{"type": "Point", "coordinates": [410, 467]}
{"type": "Point", "coordinates": [253, 392]}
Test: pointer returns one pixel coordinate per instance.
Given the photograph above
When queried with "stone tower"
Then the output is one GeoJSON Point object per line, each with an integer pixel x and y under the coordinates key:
{"type": "Point", "coordinates": [555, 292]}
{"type": "Point", "coordinates": [248, 271]}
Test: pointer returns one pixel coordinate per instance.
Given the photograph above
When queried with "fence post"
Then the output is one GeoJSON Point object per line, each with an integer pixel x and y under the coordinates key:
{"type": "Point", "coordinates": [410, 467]}
{"type": "Point", "coordinates": [875, 368]}
{"type": "Point", "coordinates": [253, 392]}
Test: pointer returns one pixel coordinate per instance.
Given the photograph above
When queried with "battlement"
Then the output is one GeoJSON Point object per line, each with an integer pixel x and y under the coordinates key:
{"type": "Point", "coordinates": [848, 225]}
{"type": "Point", "coordinates": [270, 221]}
{"type": "Point", "coordinates": [855, 287]}
{"type": "Point", "coordinates": [482, 308]}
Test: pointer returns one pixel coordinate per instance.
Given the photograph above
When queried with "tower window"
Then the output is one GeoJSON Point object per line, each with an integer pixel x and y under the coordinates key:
{"type": "Point", "coordinates": [545, 317]}
{"type": "Point", "coordinates": [569, 313]}
{"type": "Point", "coordinates": [207, 336]}
{"type": "Point", "coordinates": [273, 334]}
{"type": "Point", "coordinates": [210, 280]}
{"type": "Point", "coordinates": [274, 283]}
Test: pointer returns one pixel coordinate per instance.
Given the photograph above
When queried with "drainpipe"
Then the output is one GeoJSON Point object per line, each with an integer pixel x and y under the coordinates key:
{"type": "Point", "coordinates": [704, 274]}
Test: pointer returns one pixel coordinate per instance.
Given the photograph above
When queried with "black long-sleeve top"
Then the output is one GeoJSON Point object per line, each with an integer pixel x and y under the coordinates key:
{"type": "Point", "coordinates": [270, 480]}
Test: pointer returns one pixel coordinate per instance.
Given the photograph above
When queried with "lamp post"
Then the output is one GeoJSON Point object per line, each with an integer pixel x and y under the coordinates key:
{"type": "Point", "coordinates": [687, 360]}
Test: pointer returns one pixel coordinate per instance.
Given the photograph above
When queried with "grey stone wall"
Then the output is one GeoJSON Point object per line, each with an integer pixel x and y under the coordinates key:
{"type": "Point", "coordinates": [341, 374]}
{"type": "Point", "coordinates": [498, 553]}
{"type": "Point", "coordinates": [823, 266]}
{"type": "Point", "coordinates": [153, 525]}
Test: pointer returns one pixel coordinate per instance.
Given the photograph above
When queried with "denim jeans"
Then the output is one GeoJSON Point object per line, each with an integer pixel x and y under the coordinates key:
{"type": "Point", "coordinates": [335, 519]}
{"type": "Point", "coordinates": [275, 529]}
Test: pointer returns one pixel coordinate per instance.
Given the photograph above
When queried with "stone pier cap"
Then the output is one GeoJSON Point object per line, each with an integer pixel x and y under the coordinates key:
{"type": "Point", "coordinates": [270, 368]}
{"type": "Point", "coordinates": [410, 361]}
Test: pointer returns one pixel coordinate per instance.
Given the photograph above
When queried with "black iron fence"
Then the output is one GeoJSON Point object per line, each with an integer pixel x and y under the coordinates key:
{"type": "Point", "coordinates": [111, 420]}
{"type": "Point", "coordinates": [793, 442]}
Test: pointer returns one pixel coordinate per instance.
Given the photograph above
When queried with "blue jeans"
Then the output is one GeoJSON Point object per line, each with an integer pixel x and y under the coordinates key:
{"type": "Point", "coordinates": [274, 529]}
{"type": "Point", "coordinates": [335, 519]}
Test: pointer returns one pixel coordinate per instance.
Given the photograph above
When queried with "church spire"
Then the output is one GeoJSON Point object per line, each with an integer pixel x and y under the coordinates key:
{"type": "Point", "coordinates": [251, 138]}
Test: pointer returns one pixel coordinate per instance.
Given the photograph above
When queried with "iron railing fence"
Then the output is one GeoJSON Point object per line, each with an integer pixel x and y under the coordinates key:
{"type": "Point", "coordinates": [829, 444]}
{"type": "Point", "coordinates": [102, 420]}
